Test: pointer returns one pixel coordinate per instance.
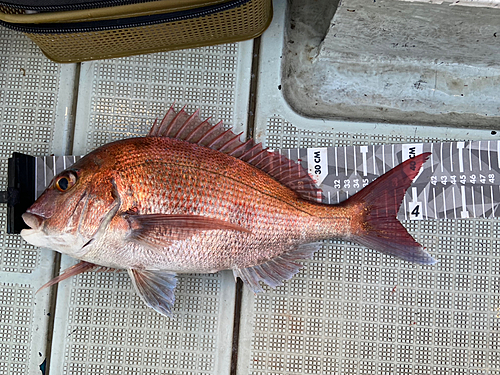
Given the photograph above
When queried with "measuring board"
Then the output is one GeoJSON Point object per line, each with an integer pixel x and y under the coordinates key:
{"type": "Point", "coordinates": [459, 180]}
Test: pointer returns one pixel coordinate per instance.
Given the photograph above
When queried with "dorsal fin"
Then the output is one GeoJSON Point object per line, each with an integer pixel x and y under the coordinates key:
{"type": "Point", "coordinates": [191, 128]}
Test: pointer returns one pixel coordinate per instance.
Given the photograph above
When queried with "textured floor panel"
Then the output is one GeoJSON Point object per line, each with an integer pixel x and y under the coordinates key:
{"type": "Point", "coordinates": [107, 329]}
{"type": "Point", "coordinates": [354, 311]}
{"type": "Point", "coordinates": [104, 328]}
{"type": "Point", "coordinates": [31, 100]}
{"type": "Point", "coordinates": [123, 96]}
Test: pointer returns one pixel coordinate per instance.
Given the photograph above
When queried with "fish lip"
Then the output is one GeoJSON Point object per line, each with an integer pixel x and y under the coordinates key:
{"type": "Point", "coordinates": [33, 221]}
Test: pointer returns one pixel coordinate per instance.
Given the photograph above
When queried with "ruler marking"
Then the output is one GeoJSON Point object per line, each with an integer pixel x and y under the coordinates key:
{"type": "Point", "coordinates": [464, 214]}
{"type": "Point", "coordinates": [470, 156]}
{"type": "Point", "coordinates": [405, 205]}
{"type": "Point", "coordinates": [454, 202]}
{"type": "Point", "coordinates": [498, 154]}
{"type": "Point", "coordinates": [355, 160]}
{"type": "Point", "coordinates": [414, 194]}
{"type": "Point", "coordinates": [345, 161]}
{"type": "Point", "coordinates": [393, 157]}
{"type": "Point", "coordinates": [364, 152]}
{"type": "Point", "coordinates": [441, 164]}
{"type": "Point", "coordinates": [444, 205]}
{"type": "Point", "coordinates": [489, 156]}
{"type": "Point", "coordinates": [336, 163]}
{"type": "Point", "coordinates": [460, 146]}
{"type": "Point", "coordinates": [492, 201]}
{"type": "Point", "coordinates": [45, 170]}
{"type": "Point", "coordinates": [36, 178]}
{"type": "Point", "coordinates": [482, 201]}
{"type": "Point", "coordinates": [479, 157]}
{"type": "Point", "coordinates": [451, 157]}
{"type": "Point", "coordinates": [374, 161]}
{"type": "Point", "coordinates": [432, 158]}
{"type": "Point", "coordinates": [425, 206]}
{"type": "Point", "coordinates": [434, 201]}
{"type": "Point", "coordinates": [383, 158]}
{"type": "Point", "coordinates": [499, 185]}
{"type": "Point", "coordinates": [473, 202]}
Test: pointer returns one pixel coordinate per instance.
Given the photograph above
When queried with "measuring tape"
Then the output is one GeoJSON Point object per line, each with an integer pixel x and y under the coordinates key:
{"type": "Point", "coordinates": [459, 180]}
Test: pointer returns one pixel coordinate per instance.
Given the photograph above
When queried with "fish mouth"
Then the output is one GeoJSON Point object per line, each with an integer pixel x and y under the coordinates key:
{"type": "Point", "coordinates": [35, 234]}
{"type": "Point", "coordinates": [33, 221]}
{"type": "Point", "coordinates": [39, 235]}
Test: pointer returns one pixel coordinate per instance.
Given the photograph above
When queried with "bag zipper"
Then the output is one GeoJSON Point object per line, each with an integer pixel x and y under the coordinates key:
{"type": "Point", "coordinates": [123, 23]}
{"type": "Point", "coordinates": [69, 7]}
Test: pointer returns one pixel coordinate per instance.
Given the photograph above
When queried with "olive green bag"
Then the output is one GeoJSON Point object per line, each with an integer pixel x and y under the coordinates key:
{"type": "Point", "coordinates": [77, 30]}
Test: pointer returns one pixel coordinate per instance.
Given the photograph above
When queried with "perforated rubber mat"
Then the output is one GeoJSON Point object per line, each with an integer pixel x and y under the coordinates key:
{"type": "Point", "coordinates": [356, 311]}
{"type": "Point", "coordinates": [31, 99]}
{"type": "Point", "coordinates": [352, 310]}
{"type": "Point", "coordinates": [105, 327]}
{"type": "Point", "coordinates": [349, 311]}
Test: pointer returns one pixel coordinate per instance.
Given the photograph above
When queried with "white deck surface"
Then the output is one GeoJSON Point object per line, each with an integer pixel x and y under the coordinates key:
{"type": "Point", "coordinates": [349, 311]}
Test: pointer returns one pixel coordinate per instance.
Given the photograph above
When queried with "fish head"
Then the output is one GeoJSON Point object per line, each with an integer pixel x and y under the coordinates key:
{"type": "Point", "coordinates": [72, 209]}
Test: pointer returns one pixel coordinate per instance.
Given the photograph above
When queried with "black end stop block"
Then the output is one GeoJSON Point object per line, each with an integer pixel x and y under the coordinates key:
{"type": "Point", "coordinates": [20, 194]}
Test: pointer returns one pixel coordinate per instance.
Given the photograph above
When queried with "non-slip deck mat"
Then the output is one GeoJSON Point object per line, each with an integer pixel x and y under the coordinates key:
{"type": "Point", "coordinates": [102, 327]}
{"type": "Point", "coordinates": [354, 311]}
{"type": "Point", "coordinates": [349, 311]}
{"type": "Point", "coordinates": [30, 100]}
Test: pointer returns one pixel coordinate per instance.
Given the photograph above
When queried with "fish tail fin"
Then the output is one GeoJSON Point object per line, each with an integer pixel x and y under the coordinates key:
{"type": "Point", "coordinates": [375, 209]}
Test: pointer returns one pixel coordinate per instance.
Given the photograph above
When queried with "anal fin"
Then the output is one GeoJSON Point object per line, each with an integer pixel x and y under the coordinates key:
{"type": "Point", "coordinates": [276, 270]}
{"type": "Point", "coordinates": [156, 289]}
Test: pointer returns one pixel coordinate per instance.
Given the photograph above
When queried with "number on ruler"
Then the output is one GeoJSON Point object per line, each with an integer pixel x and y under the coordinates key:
{"type": "Point", "coordinates": [416, 211]}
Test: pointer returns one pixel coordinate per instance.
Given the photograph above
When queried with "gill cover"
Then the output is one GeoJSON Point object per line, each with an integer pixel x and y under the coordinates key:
{"type": "Point", "coordinates": [72, 210]}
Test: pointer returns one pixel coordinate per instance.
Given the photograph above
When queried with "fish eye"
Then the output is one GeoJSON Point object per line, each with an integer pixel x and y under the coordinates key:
{"type": "Point", "coordinates": [65, 181]}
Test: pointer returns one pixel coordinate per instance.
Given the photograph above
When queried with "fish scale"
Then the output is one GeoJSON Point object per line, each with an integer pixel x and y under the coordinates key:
{"type": "Point", "coordinates": [269, 207]}
{"type": "Point", "coordinates": [192, 197]}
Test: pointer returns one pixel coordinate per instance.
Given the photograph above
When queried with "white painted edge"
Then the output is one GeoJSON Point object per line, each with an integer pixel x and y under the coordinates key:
{"type": "Point", "coordinates": [59, 334]}
{"type": "Point", "coordinates": [65, 116]}
{"type": "Point", "coordinates": [243, 77]}
{"type": "Point", "coordinates": [83, 108]}
{"type": "Point", "coordinates": [246, 332]}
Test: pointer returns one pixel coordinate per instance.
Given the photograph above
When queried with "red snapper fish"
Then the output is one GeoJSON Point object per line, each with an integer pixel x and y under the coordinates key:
{"type": "Point", "coordinates": [191, 197]}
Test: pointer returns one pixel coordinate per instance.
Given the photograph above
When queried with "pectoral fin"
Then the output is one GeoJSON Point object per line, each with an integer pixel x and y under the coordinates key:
{"type": "Point", "coordinates": [156, 230]}
{"type": "Point", "coordinates": [156, 289]}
